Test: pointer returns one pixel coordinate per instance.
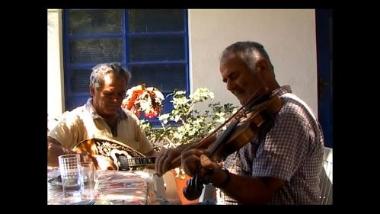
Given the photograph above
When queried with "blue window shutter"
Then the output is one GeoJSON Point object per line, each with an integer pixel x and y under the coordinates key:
{"type": "Point", "coordinates": [151, 43]}
{"type": "Point", "coordinates": [325, 78]}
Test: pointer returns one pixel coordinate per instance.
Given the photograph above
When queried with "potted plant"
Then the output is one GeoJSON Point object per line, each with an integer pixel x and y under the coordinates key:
{"type": "Point", "coordinates": [184, 124]}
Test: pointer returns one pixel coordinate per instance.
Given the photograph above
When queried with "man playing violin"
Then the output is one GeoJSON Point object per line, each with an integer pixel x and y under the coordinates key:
{"type": "Point", "coordinates": [101, 117]}
{"type": "Point", "coordinates": [279, 166]}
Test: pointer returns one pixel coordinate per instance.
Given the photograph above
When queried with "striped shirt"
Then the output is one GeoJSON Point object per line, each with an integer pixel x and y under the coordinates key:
{"type": "Point", "coordinates": [292, 150]}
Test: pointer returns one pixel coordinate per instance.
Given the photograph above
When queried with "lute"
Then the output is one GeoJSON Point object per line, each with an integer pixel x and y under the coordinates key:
{"type": "Point", "coordinates": [120, 156]}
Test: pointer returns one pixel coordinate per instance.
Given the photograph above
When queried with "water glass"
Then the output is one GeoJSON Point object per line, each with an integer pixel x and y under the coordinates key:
{"type": "Point", "coordinates": [72, 182]}
{"type": "Point", "coordinates": [88, 173]}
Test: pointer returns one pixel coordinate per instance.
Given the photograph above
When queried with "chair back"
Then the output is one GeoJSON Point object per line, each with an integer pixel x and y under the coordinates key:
{"type": "Point", "coordinates": [326, 177]}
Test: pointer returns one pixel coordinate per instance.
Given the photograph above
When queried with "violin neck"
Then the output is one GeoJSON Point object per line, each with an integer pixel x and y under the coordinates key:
{"type": "Point", "coordinates": [256, 101]}
{"type": "Point", "coordinates": [223, 138]}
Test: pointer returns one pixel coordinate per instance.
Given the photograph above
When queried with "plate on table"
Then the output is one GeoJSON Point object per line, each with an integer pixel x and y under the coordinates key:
{"type": "Point", "coordinates": [55, 181]}
{"type": "Point", "coordinates": [54, 177]}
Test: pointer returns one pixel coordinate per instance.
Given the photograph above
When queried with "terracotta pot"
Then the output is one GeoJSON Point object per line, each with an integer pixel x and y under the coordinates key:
{"type": "Point", "coordinates": [181, 183]}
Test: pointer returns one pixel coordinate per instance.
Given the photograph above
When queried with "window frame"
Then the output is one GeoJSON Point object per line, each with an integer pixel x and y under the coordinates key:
{"type": "Point", "coordinates": [124, 35]}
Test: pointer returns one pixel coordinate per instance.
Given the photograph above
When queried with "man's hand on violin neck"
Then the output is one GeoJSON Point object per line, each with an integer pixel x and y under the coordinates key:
{"type": "Point", "coordinates": [196, 162]}
{"type": "Point", "coordinates": [190, 161]}
{"type": "Point", "coordinates": [164, 160]}
{"type": "Point", "coordinates": [207, 163]}
{"type": "Point", "coordinates": [212, 171]}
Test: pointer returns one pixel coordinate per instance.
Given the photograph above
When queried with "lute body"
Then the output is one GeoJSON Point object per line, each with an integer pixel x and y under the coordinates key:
{"type": "Point", "coordinates": [120, 156]}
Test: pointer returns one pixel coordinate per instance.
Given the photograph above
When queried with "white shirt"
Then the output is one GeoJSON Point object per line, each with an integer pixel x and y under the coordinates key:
{"type": "Point", "coordinates": [84, 123]}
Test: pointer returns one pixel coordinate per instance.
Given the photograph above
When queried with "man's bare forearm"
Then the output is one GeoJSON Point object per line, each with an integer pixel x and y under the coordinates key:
{"type": "Point", "coordinates": [55, 149]}
{"type": "Point", "coordinates": [252, 190]}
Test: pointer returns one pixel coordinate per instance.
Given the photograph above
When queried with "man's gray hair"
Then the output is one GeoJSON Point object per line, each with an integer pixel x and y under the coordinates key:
{"type": "Point", "coordinates": [246, 52]}
{"type": "Point", "coordinates": [98, 72]}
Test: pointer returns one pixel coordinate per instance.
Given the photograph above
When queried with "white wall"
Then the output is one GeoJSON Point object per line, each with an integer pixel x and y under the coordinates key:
{"type": "Point", "coordinates": [55, 71]}
{"type": "Point", "coordinates": [287, 34]}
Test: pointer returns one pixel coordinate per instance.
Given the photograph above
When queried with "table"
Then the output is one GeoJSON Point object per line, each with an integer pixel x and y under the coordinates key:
{"type": "Point", "coordinates": [140, 187]}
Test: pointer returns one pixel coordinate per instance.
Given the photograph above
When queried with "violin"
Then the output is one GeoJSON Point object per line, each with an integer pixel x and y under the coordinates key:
{"type": "Point", "coordinates": [246, 125]}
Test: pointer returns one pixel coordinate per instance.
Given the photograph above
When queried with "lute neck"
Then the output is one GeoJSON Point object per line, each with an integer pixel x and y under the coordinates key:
{"type": "Point", "coordinates": [131, 163]}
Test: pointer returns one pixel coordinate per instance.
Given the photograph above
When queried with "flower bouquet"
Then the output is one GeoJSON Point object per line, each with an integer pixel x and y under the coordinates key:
{"type": "Point", "coordinates": [141, 99]}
